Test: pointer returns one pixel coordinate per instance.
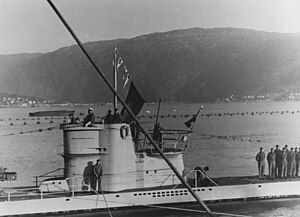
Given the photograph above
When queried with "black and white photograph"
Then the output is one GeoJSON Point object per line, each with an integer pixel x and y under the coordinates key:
{"type": "Point", "coordinates": [166, 108]}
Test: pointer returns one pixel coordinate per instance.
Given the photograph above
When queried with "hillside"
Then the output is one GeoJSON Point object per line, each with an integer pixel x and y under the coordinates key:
{"type": "Point", "coordinates": [184, 65]}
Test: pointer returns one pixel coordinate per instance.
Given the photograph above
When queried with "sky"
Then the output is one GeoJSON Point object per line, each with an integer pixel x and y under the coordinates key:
{"type": "Point", "coordinates": [28, 26]}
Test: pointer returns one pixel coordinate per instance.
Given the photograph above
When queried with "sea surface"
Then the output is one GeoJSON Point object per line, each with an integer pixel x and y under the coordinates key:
{"type": "Point", "coordinates": [226, 138]}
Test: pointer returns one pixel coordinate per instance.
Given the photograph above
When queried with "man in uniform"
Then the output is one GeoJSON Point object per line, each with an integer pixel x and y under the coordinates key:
{"type": "Point", "coordinates": [278, 162]}
{"type": "Point", "coordinates": [271, 163]}
{"type": "Point", "coordinates": [98, 174]}
{"type": "Point", "coordinates": [117, 116]}
{"type": "Point", "coordinates": [297, 158]}
{"type": "Point", "coordinates": [260, 158]}
{"type": "Point", "coordinates": [284, 163]}
{"type": "Point", "coordinates": [90, 118]}
{"type": "Point", "coordinates": [291, 163]}
{"type": "Point", "coordinates": [109, 118]}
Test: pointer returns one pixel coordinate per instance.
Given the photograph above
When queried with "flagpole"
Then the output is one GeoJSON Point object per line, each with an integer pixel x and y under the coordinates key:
{"type": "Point", "coordinates": [198, 112]}
{"type": "Point", "coordinates": [115, 80]}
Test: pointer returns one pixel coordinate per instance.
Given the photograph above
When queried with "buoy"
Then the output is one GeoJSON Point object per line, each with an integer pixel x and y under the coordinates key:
{"type": "Point", "coordinates": [25, 123]}
{"type": "Point", "coordinates": [38, 122]}
{"type": "Point", "coordinates": [11, 124]}
{"type": "Point", "coordinates": [174, 116]}
{"type": "Point", "coordinates": [51, 122]}
{"type": "Point", "coordinates": [9, 119]}
{"type": "Point", "coordinates": [40, 130]}
{"type": "Point", "coordinates": [21, 132]}
{"type": "Point", "coordinates": [17, 119]}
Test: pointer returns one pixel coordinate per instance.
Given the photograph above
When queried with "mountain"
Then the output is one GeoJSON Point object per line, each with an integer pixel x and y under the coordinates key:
{"type": "Point", "coordinates": [183, 65]}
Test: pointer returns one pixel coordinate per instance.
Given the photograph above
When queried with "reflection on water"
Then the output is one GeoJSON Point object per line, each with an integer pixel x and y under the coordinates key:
{"type": "Point", "coordinates": [31, 154]}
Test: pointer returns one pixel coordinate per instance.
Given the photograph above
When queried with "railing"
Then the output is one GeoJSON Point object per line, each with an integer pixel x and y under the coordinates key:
{"type": "Point", "coordinates": [8, 194]}
{"type": "Point", "coordinates": [46, 175]}
{"type": "Point", "coordinates": [195, 174]}
{"type": "Point", "coordinates": [170, 175]}
{"type": "Point", "coordinates": [169, 141]}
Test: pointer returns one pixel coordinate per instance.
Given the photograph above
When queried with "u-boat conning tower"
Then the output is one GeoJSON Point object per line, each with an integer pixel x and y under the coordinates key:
{"type": "Point", "coordinates": [123, 166]}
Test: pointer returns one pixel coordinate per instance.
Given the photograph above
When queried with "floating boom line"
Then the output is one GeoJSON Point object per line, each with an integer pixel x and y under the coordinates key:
{"type": "Point", "coordinates": [197, 198]}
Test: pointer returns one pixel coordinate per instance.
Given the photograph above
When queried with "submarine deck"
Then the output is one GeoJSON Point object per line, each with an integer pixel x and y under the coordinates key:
{"type": "Point", "coordinates": [27, 193]}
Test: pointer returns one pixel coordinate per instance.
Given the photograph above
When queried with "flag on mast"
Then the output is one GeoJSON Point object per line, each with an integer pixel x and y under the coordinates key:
{"type": "Point", "coordinates": [120, 62]}
{"type": "Point", "coordinates": [134, 101]}
{"type": "Point", "coordinates": [193, 119]}
{"type": "Point", "coordinates": [126, 81]}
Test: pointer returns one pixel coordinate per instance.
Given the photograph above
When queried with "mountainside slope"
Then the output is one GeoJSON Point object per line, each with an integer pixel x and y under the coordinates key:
{"type": "Point", "coordinates": [184, 65]}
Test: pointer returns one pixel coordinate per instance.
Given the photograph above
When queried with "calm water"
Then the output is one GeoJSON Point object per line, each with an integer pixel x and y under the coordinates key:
{"type": "Point", "coordinates": [31, 154]}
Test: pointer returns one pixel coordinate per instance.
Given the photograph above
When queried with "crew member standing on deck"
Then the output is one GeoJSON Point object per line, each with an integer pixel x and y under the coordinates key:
{"type": "Point", "coordinates": [271, 163]}
{"type": "Point", "coordinates": [117, 116]}
{"type": "Point", "coordinates": [291, 163]}
{"type": "Point", "coordinates": [89, 119]}
{"type": "Point", "coordinates": [109, 118]}
{"type": "Point", "coordinates": [297, 158]}
{"type": "Point", "coordinates": [260, 158]}
{"type": "Point", "coordinates": [98, 174]}
{"type": "Point", "coordinates": [284, 163]}
{"type": "Point", "coordinates": [278, 162]}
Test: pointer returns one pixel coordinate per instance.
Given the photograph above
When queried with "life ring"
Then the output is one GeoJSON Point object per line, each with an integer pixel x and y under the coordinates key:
{"type": "Point", "coordinates": [124, 132]}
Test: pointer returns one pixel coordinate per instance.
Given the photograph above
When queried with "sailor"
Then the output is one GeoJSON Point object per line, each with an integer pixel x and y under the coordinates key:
{"type": "Point", "coordinates": [297, 159]}
{"type": "Point", "coordinates": [260, 158]}
{"type": "Point", "coordinates": [271, 163]}
{"type": "Point", "coordinates": [109, 118]}
{"type": "Point", "coordinates": [117, 116]}
{"type": "Point", "coordinates": [284, 163]}
{"type": "Point", "coordinates": [88, 176]}
{"type": "Point", "coordinates": [71, 119]}
{"type": "Point", "coordinates": [291, 163]}
{"type": "Point", "coordinates": [98, 174]}
{"type": "Point", "coordinates": [286, 148]}
{"type": "Point", "coordinates": [89, 119]}
{"type": "Point", "coordinates": [278, 162]}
